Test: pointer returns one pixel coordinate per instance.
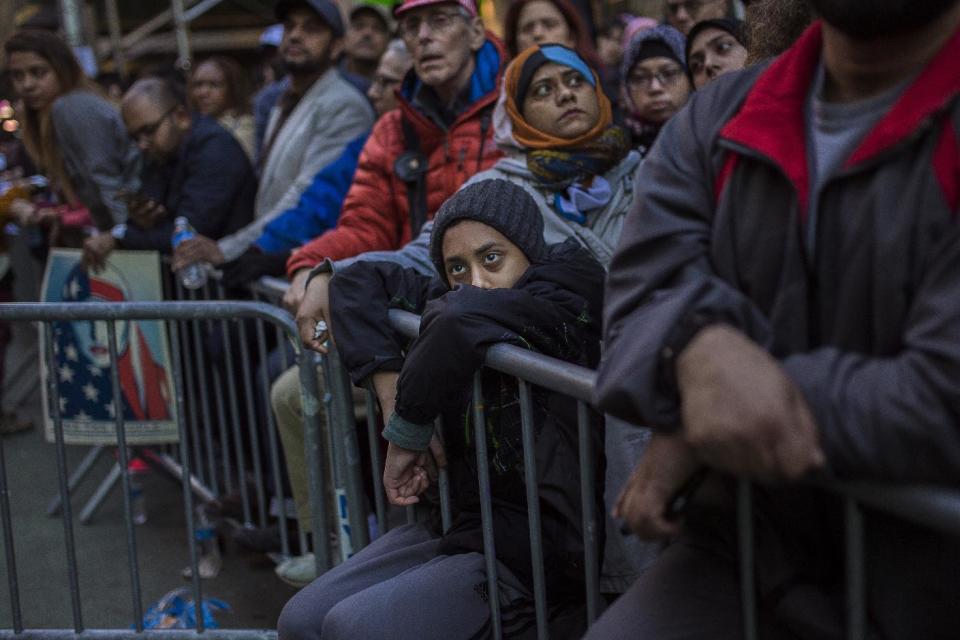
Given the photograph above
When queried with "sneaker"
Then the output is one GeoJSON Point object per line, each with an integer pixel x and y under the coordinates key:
{"type": "Point", "coordinates": [10, 423]}
{"type": "Point", "coordinates": [298, 571]}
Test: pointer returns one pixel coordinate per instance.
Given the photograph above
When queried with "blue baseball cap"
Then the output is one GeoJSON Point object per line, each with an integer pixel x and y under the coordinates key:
{"type": "Point", "coordinates": [326, 9]}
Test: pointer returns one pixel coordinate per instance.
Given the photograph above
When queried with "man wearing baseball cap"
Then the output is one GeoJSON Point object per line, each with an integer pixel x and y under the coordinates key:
{"type": "Point", "coordinates": [369, 26]}
{"type": "Point", "coordinates": [311, 124]}
{"type": "Point", "coordinates": [417, 156]}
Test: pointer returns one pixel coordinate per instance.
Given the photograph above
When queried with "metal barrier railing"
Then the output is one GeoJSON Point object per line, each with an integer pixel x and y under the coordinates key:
{"type": "Point", "coordinates": [176, 315]}
{"type": "Point", "coordinates": [335, 449]}
{"type": "Point", "coordinates": [937, 508]}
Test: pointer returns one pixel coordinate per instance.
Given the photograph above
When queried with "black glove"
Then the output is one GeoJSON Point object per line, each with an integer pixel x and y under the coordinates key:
{"type": "Point", "coordinates": [253, 264]}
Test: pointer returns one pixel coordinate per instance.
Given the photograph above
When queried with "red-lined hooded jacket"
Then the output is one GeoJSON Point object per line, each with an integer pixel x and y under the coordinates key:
{"type": "Point", "coordinates": [867, 325]}
{"type": "Point", "coordinates": [376, 210]}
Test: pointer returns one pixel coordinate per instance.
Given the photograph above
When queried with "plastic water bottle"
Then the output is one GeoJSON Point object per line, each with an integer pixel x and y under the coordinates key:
{"type": "Point", "coordinates": [138, 504]}
{"type": "Point", "coordinates": [209, 560]}
{"type": "Point", "coordinates": [192, 276]}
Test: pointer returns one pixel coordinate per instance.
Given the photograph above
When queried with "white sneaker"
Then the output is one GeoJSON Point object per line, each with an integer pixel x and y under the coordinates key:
{"type": "Point", "coordinates": [298, 571]}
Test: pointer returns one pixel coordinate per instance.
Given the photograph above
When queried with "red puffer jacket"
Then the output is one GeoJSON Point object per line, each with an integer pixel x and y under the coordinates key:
{"type": "Point", "coordinates": [376, 211]}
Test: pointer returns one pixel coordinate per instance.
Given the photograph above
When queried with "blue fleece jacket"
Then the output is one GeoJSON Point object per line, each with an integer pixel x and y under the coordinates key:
{"type": "Point", "coordinates": [319, 206]}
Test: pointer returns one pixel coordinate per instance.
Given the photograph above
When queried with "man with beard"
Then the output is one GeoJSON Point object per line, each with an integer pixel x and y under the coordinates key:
{"type": "Point", "coordinates": [771, 26]}
{"type": "Point", "coordinates": [783, 306]}
{"type": "Point", "coordinates": [312, 123]}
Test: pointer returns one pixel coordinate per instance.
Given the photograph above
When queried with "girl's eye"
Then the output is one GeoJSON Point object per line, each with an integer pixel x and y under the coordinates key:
{"type": "Point", "coordinates": [541, 90]}
{"type": "Point", "coordinates": [491, 258]}
{"type": "Point", "coordinates": [455, 270]}
{"type": "Point", "coordinates": [574, 80]}
{"type": "Point", "coordinates": [724, 47]}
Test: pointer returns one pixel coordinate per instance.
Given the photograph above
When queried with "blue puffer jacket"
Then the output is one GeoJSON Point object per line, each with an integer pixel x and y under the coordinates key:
{"type": "Point", "coordinates": [318, 208]}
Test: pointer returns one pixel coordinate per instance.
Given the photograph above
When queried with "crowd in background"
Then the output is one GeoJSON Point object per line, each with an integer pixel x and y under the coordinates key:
{"type": "Point", "coordinates": [352, 164]}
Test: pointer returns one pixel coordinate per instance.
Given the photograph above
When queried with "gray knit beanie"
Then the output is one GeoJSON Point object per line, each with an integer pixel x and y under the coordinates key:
{"type": "Point", "coordinates": [498, 203]}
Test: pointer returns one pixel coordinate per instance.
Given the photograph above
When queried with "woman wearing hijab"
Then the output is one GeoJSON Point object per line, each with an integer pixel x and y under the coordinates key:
{"type": "Point", "coordinates": [655, 82]}
{"type": "Point", "coordinates": [556, 126]}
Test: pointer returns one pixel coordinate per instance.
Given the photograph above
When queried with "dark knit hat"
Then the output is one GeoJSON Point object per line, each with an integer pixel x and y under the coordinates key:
{"type": "Point", "coordinates": [662, 40]}
{"type": "Point", "coordinates": [731, 25]}
{"type": "Point", "coordinates": [500, 204]}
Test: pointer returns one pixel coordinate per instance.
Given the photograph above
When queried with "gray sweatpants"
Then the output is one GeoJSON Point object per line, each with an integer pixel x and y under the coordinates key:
{"type": "Point", "coordinates": [400, 587]}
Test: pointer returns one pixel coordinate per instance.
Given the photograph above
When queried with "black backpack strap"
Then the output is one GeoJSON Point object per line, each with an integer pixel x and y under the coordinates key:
{"type": "Point", "coordinates": [411, 168]}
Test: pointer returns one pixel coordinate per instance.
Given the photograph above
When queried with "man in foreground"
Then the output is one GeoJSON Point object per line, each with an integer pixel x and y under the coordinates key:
{"type": "Point", "coordinates": [784, 304]}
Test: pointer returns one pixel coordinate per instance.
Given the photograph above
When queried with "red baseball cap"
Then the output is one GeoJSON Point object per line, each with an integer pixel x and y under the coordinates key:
{"type": "Point", "coordinates": [469, 5]}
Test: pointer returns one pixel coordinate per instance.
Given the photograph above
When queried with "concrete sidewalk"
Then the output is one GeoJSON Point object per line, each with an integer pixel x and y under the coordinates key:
{"type": "Point", "coordinates": [246, 583]}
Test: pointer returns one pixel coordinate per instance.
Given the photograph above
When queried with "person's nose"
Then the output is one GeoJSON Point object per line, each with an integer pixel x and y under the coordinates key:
{"type": "Point", "coordinates": [656, 86]}
{"type": "Point", "coordinates": [712, 66]}
{"type": "Point", "coordinates": [479, 278]}
{"type": "Point", "coordinates": [143, 144]}
{"type": "Point", "coordinates": [539, 33]}
{"type": "Point", "coordinates": [565, 94]}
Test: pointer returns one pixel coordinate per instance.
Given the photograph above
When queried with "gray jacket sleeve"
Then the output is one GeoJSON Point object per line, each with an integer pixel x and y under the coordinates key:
{"type": "Point", "coordinates": [414, 255]}
{"type": "Point", "coordinates": [661, 287]}
{"type": "Point", "coordinates": [333, 130]}
{"type": "Point", "coordinates": [895, 418]}
{"type": "Point", "coordinates": [98, 154]}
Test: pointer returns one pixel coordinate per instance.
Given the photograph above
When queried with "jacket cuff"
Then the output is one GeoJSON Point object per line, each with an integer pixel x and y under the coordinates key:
{"type": "Point", "coordinates": [408, 435]}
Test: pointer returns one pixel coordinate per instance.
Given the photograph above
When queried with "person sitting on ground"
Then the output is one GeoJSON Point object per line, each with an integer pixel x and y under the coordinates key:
{"type": "Point", "coordinates": [551, 155]}
{"type": "Point", "coordinates": [195, 168]}
{"type": "Point", "coordinates": [683, 14]}
{"type": "Point", "coordinates": [443, 132]}
{"type": "Point", "coordinates": [655, 83]}
{"type": "Point", "coordinates": [319, 207]}
{"type": "Point", "coordinates": [498, 282]}
{"type": "Point", "coordinates": [314, 120]}
{"type": "Point", "coordinates": [218, 88]}
{"type": "Point", "coordinates": [715, 47]}
{"type": "Point", "coordinates": [368, 33]}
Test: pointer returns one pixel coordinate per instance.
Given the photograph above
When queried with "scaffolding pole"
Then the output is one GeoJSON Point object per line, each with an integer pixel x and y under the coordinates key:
{"type": "Point", "coordinates": [113, 21]}
{"type": "Point", "coordinates": [71, 21]}
{"type": "Point", "coordinates": [183, 37]}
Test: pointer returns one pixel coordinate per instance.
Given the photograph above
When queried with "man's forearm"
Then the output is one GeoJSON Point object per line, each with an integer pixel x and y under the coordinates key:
{"type": "Point", "coordinates": [385, 386]}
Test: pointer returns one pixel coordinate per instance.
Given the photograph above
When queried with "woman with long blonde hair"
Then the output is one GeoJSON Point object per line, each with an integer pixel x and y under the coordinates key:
{"type": "Point", "coordinates": [74, 136]}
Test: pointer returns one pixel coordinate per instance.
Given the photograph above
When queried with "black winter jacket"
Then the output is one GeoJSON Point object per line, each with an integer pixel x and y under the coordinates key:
{"type": "Point", "coordinates": [211, 182]}
{"type": "Point", "coordinates": [553, 309]}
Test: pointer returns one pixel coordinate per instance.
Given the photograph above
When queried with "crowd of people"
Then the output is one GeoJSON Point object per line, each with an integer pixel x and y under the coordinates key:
{"type": "Point", "coordinates": [747, 227]}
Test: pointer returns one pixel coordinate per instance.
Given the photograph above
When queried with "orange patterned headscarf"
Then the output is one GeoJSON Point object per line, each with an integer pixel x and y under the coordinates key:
{"type": "Point", "coordinates": [531, 138]}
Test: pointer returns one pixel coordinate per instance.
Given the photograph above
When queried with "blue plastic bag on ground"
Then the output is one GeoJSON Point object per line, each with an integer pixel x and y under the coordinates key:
{"type": "Point", "coordinates": [176, 610]}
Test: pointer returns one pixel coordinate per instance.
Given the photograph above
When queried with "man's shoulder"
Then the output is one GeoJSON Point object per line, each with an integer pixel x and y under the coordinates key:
{"type": "Point", "coordinates": [331, 90]}
{"type": "Point", "coordinates": [84, 104]}
{"type": "Point", "coordinates": [713, 106]}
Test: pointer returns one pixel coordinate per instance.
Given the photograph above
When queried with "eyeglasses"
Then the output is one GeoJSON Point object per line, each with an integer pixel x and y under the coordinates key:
{"type": "Point", "coordinates": [150, 130]}
{"type": "Point", "coordinates": [437, 22]}
{"type": "Point", "coordinates": [644, 80]}
{"type": "Point", "coordinates": [691, 6]}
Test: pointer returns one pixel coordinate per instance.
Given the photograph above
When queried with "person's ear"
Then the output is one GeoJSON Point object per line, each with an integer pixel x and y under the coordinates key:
{"type": "Point", "coordinates": [477, 34]}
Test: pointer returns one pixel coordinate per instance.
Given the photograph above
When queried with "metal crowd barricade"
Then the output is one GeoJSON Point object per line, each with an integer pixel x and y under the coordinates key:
{"type": "Point", "coordinates": [934, 507]}
{"type": "Point", "coordinates": [177, 315]}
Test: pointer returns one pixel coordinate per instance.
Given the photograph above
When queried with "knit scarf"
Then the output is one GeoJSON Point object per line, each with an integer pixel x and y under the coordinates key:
{"type": "Point", "coordinates": [557, 169]}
